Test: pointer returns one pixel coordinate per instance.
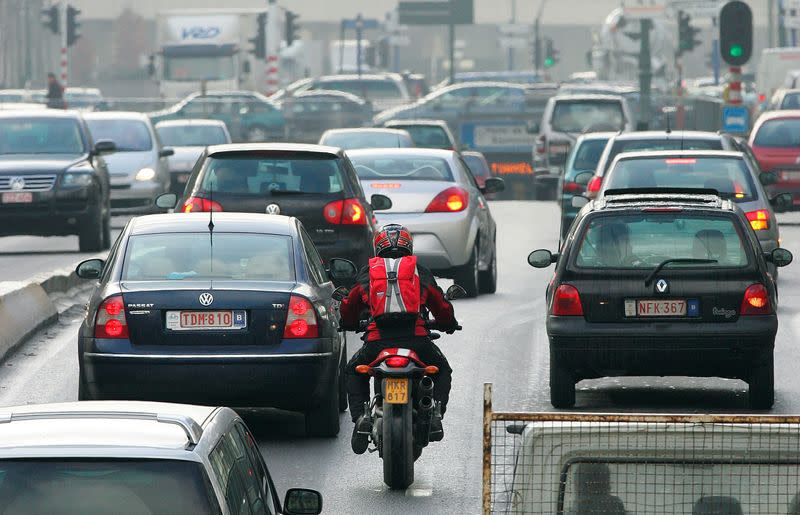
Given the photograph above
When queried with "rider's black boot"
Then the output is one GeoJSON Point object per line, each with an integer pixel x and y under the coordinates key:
{"type": "Point", "coordinates": [361, 431]}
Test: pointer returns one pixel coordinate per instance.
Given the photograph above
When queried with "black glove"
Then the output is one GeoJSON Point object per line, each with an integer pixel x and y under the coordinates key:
{"type": "Point", "coordinates": [455, 327]}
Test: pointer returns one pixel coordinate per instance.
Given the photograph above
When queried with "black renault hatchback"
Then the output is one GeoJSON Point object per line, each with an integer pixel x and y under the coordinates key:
{"type": "Point", "coordinates": [661, 284]}
{"type": "Point", "coordinates": [316, 184]}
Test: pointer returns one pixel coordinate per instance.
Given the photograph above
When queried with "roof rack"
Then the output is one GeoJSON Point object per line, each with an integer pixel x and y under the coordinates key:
{"type": "Point", "coordinates": [192, 429]}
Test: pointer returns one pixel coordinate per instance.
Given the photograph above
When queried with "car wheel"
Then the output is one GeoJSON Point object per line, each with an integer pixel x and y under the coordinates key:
{"type": "Point", "coordinates": [90, 237]}
{"type": "Point", "coordinates": [762, 384]}
{"type": "Point", "coordinates": [466, 275]}
{"type": "Point", "coordinates": [323, 418]}
{"type": "Point", "coordinates": [257, 134]}
{"type": "Point", "coordinates": [343, 382]}
{"type": "Point", "coordinates": [562, 386]}
{"type": "Point", "coordinates": [488, 278]}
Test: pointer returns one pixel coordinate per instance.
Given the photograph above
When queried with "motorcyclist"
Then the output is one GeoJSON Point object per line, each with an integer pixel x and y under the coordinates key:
{"type": "Point", "coordinates": [394, 241]}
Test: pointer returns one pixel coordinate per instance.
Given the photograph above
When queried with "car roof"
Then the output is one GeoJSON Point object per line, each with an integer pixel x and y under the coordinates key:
{"type": "Point", "coordinates": [774, 115]}
{"type": "Point", "coordinates": [274, 147]}
{"type": "Point", "coordinates": [484, 83]}
{"type": "Point", "coordinates": [416, 121]}
{"type": "Point", "coordinates": [639, 199]}
{"type": "Point", "coordinates": [223, 222]}
{"type": "Point", "coordinates": [95, 424]}
{"type": "Point", "coordinates": [672, 135]}
{"type": "Point", "coordinates": [363, 76]}
{"type": "Point", "coordinates": [372, 130]}
{"type": "Point", "coordinates": [42, 113]}
{"type": "Point", "coordinates": [394, 153]}
{"type": "Point", "coordinates": [596, 135]}
{"type": "Point", "coordinates": [586, 96]}
{"type": "Point", "coordinates": [311, 93]}
{"type": "Point", "coordinates": [190, 122]}
{"type": "Point", "coordinates": [678, 153]}
{"type": "Point", "coordinates": [116, 115]}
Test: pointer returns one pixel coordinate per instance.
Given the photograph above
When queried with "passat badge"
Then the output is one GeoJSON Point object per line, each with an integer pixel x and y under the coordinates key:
{"type": "Point", "coordinates": [206, 299]}
{"type": "Point", "coordinates": [273, 209]}
{"type": "Point", "coordinates": [662, 286]}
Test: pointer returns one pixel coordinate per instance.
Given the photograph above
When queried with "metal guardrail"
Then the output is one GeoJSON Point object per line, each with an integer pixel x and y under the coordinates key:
{"type": "Point", "coordinates": [590, 463]}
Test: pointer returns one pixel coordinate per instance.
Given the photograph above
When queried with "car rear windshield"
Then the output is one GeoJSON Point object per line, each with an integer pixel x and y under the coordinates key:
{"type": "Point", "coordinates": [587, 155]}
{"type": "Point", "coordinates": [641, 145]}
{"type": "Point", "coordinates": [40, 136]}
{"type": "Point", "coordinates": [642, 241]}
{"type": "Point", "coordinates": [427, 136]}
{"type": "Point", "coordinates": [367, 89]}
{"type": "Point", "coordinates": [129, 135]}
{"type": "Point", "coordinates": [233, 256]}
{"type": "Point", "coordinates": [791, 101]}
{"type": "Point", "coordinates": [192, 135]}
{"type": "Point", "coordinates": [267, 175]}
{"type": "Point", "coordinates": [587, 115]}
{"type": "Point", "coordinates": [356, 140]}
{"type": "Point", "coordinates": [779, 133]}
{"type": "Point", "coordinates": [729, 176]}
{"type": "Point", "coordinates": [403, 168]}
{"type": "Point", "coordinates": [102, 486]}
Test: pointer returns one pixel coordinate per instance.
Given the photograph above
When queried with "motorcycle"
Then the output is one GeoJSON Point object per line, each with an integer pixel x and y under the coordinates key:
{"type": "Point", "coordinates": [403, 404]}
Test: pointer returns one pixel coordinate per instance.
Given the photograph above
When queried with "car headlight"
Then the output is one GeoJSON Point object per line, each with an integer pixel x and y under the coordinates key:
{"type": "Point", "coordinates": [74, 180]}
{"type": "Point", "coordinates": [145, 174]}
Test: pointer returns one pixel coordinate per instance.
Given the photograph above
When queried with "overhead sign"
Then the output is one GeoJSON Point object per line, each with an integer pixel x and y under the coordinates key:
{"type": "Point", "coordinates": [697, 8]}
{"type": "Point", "coordinates": [366, 24]}
{"type": "Point", "coordinates": [514, 41]}
{"type": "Point", "coordinates": [436, 12]}
{"type": "Point", "coordinates": [735, 119]}
{"type": "Point", "coordinates": [643, 12]}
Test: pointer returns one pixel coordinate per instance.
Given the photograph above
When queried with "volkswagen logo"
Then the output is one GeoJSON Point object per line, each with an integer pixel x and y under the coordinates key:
{"type": "Point", "coordinates": [273, 209]}
{"type": "Point", "coordinates": [662, 286]}
{"type": "Point", "coordinates": [206, 299]}
{"type": "Point", "coordinates": [17, 183]}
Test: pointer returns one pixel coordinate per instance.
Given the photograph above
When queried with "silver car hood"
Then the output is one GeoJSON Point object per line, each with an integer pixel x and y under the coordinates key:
{"type": "Point", "coordinates": [407, 196]}
{"type": "Point", "coordinates": [125, 165]}
{"type": "Point", "coordinates": [184, 158]}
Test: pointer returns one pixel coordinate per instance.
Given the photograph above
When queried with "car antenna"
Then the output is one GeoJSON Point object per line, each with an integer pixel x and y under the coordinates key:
{"type": "Point", "coordinates": [669, 129]}
{"type": "Point", "coordinates": [211, 230]}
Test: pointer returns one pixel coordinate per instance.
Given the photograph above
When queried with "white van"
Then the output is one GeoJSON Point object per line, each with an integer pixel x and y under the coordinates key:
{"type": "Point", "coordinates": [773, 68]}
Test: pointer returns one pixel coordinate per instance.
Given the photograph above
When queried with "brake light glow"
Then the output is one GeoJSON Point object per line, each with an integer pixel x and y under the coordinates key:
{"type": "Point", "coordinates": [397, 362]}
{"type": "Point", "coordinates": [345, 212]}
{"type": "Point", "coordinates": [567, 301]}
{"type": "Point", "coordinates": [762, 98]}
{"type": "Point", "coordinates": [110, 320]}
{"type": "Point", "coordinates": [756, 301]}
{"type": "Point", "coordinates": [594, 184]}
{"type": "Point", "coordinates": [385, 185]}
{"type": "Point", "coordinates": [572, 187]}
{"type": "Point", "coordinates": [301, 319]}
{"type": "Point", "coordinates": [759, 220]}
{"type": "Point", "coordinates": [200, 205]}
{"type": "Point", "coordinates": [451, 200]}
{"type": "Point", "coordinates": [681, 161]}
{"type": "Point", "coordinates": [541, 144]}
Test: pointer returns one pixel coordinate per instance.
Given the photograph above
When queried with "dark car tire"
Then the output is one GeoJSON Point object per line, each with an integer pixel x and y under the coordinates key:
{"type": "Point", "coordinates": [323, 418]}
{"type": "Point", "coordinates": [343, 382]}
{"type": "Point", "coordinates": [488, 278]}
{"type": "Point", "coordinates": [562, 385]}
{"type": "Point", "coordinates": [467, 274]}
{"type": "Point", "coordinates": [762, 384]}
{"type": "Point", "coordinates": [256, 134]}
{"type": "Point", "coordinates": [90, 236]}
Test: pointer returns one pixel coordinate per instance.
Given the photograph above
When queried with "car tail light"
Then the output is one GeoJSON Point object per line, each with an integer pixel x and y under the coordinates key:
{"type": "Point", "coordinates": [572, 187]}
{"type": "Point", "coordinates": [200, 205]}
{"type": "Point", "coordinates": [301, 320]}
{"type": "Point", "coordinates": [397, 362]}
{"type": "Point", "coordinates": [759, 220]}
{"type": "Point", "coordinates": [567, 301]}
{"type": "Point", "coordinates": [762, 98]}
{"type": "Point", "coordinates": [541, 144]}
{"type": "Point", "coordinates": [345, 212]}
{"type": "Point", "coordinates": [110, 320]}
{"type": "Point", "coordinates": [594, 184]}
{"type": "Point", "coordinates": [756, 301]}
{"type": "Point", "coordinates": [450, 200]}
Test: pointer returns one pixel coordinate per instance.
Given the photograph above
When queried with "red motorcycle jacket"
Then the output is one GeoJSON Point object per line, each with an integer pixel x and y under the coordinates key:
{"type": "Point", "coordinates": [432, 297]}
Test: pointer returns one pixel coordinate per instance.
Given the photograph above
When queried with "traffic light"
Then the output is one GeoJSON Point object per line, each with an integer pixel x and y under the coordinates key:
{"type": "Point", "coordinates": [550, 54]}
{"type": "Point", "coordinates": [736, 33]}
{"type": "Point", "coordinates": [73, 25]}
{"type": "Point", "coordinates": [50, 18]}
{"type": "Point", "coordinates": [260, 40]}
{"type": "Point", "coordinates": [292, 28]}
{"type": "Point", "coordinates": [686, 34]}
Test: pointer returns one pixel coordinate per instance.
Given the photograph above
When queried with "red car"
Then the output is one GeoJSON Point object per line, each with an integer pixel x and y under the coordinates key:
{"type": "Point", "coordinates": [775, 141]}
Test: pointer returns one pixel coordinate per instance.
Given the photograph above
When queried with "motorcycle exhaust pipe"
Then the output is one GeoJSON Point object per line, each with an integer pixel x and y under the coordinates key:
{"type": "Point", "coordinates": [426, 403]}
{"type": "Point", "coordinates": [426, 385]}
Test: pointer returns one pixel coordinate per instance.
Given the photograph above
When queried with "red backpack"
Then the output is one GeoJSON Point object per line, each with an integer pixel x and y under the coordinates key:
{"type": "Point", "coordinates": [395, 293]}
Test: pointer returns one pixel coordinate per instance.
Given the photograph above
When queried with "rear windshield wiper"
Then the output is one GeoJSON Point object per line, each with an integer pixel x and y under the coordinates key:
{"type": "Point", "coordinates": [688, 261]}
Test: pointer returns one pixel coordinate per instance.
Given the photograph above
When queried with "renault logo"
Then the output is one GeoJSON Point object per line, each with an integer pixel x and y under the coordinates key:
{"type": "Point", "coordinates": [273, 209]}
{"type": "Point", "coordinates": [206, 299]}
{"type": "Point", "coordinates": [17, 183]}
{"type": "Point", "coordinates": [662, 286]}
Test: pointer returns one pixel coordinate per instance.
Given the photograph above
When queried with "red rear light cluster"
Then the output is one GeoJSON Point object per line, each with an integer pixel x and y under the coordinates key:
{"type": "Point", "coordinates": [397, 362]}
{"type": "Point", "coordinates": [756, 301]}
{"type": "Point", "coordinates": [110, 320]}
{"type": "Point", "coordinates": [200, 205]}
{"type": "Point", "coordinates": [572, 187]}
{"type": "Point", "coordinates": [450, 200]}
{"type": "Point", "coordinates": [759, 220]}
{"type": "Point", "coordinates": [301, 320]}
{"type": "Point", "coordinates": [541, 144]}
{"type": "Point", "coordinates": [567, 301]}
{"type": "Point", "coordinates": [345, 212]}
{"type": "Point", "coordinates": [594, 184]}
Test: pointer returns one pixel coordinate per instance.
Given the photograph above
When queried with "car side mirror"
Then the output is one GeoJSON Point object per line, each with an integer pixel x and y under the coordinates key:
{"type": "Point", "coordinates": [104, 146]}
{"type": "Point", "coordinates": [583, 178]}
{"type": "Point", "coordinates": [767, 178]}
{"type": "Point", "coordinates": [782, 202]}
{"type": "Point", "coordinates": [340, 293]}
{"type": "Point", "coordinates": [342, 270]}
{"type": "Point", "coordinates": [90, 269]}
{"type": "Point", "coordinates": [493, 185]}
{"type": "Point", "coordinates": [455, 292]}
{"type": "Point", "coordinates": [166, 152]}
{"type": "Point", "coordinates": [780, 257]}
{"type": "Point", "coordinates": [380, 202]}
{"type": "Point", "coordinates": [300, 501]}
{"type": "Point", "coordinates": [166, 200]}
{"type": "Point", "coordinates": [542, 258]}
{"type": "Point", "coordinates": [578, 201]}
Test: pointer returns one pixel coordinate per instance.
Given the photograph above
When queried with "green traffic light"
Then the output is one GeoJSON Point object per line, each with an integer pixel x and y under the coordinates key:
{"type": "Point", "coordinates": [548, 62]}
{"type": "Point", "coordinates": [736, 51]}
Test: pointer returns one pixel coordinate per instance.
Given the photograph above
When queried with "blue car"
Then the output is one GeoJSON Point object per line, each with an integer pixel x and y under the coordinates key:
{"type": "Point", "coordinates": [215, 308]}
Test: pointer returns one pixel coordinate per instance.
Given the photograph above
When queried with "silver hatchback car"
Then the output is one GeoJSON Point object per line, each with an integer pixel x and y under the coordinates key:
{"type": "Point", "coordinates": [135, 458]}
{"type": "Point", "coordinates": [436, 197]}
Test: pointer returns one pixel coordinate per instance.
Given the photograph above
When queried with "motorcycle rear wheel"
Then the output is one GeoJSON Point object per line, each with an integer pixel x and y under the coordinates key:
{"type": "Point", "coordinates": [398, 446]}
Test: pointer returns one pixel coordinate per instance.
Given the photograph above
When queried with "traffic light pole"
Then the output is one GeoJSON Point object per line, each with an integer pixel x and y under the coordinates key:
{"type": "Point", "coordinates": [645, 75]}
{"type": "Point", "coordinates": [62, 22]}
{"type": "Point", "coordinates": [715, 51]}
{"type": "Point", "coordinates": [452, 37]}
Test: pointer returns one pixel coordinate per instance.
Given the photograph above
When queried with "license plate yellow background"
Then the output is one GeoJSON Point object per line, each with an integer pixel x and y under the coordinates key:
{"type": "Point", "coordinates": [396, 391]}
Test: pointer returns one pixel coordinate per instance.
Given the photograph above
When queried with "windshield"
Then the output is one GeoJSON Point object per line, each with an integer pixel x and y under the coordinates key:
{"type": "Point", "coordinates": [403, 168]}
{"type": "Point", "coordinates": [129, 135]}
{"type": "Point", "coordinates": [371, 89]}
{"type": "Point", "coordinates": [199, 68]}
{"type": "Point", "coordinates": [234, 256]}
{"type": "Point", "coordinates": [791, 101]}
{"type": "Point", "coordinates": [586, 156]}
{"type": "Point", "coordinates": [676, 143]}
{"type": "Point", "coordinates": [263, 176]}
{"type": "Point", "coordinates": [192, 135]}
{"type": "Point", "coordinates": [426, 136]}
{"type": "Point", "coordinates": [729, 176]}
{"type": "Point", "coordinates": [103, 486]}
{"type": "Point", "coordinates": [40, 136]}
{"type": "Point", "coordinates": [643, 241]}
{"type": "Point", "coordinates": [587, 116]}
{"type": "Point", "coordinates": [355, 140]}
{"type": "Point", "coordinates": [779, 133]}
{"type": "Point", "coordinates": [477, 165]}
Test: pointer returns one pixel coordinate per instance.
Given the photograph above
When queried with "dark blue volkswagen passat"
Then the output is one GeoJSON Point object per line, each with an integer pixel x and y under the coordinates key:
{"type": "Point", "coordinates": [222, 308]}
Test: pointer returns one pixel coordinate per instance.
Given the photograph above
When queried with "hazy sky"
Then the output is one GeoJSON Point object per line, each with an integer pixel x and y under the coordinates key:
{"type": "Point", "coordinates": [590, 12]}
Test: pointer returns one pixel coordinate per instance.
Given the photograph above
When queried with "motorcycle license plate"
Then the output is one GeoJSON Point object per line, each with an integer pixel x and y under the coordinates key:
{"type": "Point", "coordinates": [396, 390]}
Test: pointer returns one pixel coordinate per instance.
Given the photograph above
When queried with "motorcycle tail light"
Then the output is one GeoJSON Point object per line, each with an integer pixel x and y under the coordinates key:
{"type": "Point", "coordinates": [397, 362]}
